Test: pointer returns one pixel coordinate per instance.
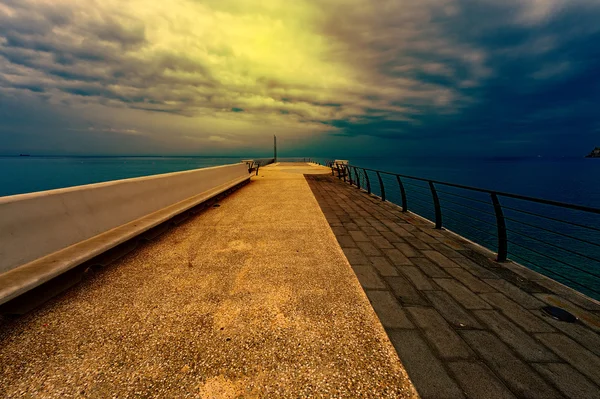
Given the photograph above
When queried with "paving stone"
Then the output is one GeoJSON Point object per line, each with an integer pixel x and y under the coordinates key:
{"type": "Point", "coordinates": [355, 256]}
{"type": "Point", "coordinates": [429, 268]}
{"type": "Point", "coordinates": [397, 257]}
{"type": "Point", "coordinates": [445, 250]}
{"type": "Point", "coordinates": [405, 291]}
{"type": "Point", "coordinates": [351, 226]}
{"type": "Point", "coordinates": [359, 236]}
{"type": "Point", "coordinates": [408, 250]}
{"type": "Point", "coordinates": [459, 292]}
{"type": "Point", "coordinates": [569, 294]}
{"type": "Point", "coordinates": [586, 337]}
{"type": "Point", "coordinates": [451, 310]}
{"type": "Point", "coordinates": [388, 310]}
{"type": "Point", "coordinates": [389, 223]}
{"type": "Point", "coordinates": [344, 217]}
{"type": "Point", "coordinates": [415, 242]}
{"type": "Point", "coordinates": [370, 231]}
{"type": "Point", "coordinates": [518, 295]}
{"type": "Point", "coordinates": [527, 320]}
{"type": "Point", "coordinates": [477, 381]}
{"type": "Point", "coordinates": [334, 220]}
{"type": "Point", "coordinates": [451, 241]}
{"type": "Point", "coordinates": [470, 281]}
{"type": "Point", "coordinates": [368, 249]}
{"type": "Point", "coordinates": [346, 242]}
{"type": "Point", "coordinates": [437, 233]}
{"type": "Point", "coordinates": [420, 281]}
{"type": "Point", "coordinates": [391, 237]}
{"type": "Point", "coordinates": [410, 226]}
{"type": "Point", "coordinates": [380, 227]}
{"type": "Point", "coordinates": [528, 286]}
{"type": "Point", "coordinates": [381, 242]}
{"type": "Point", "coordinates": [520, 378]}
{"type": "Point", "coordinates": [402, 232]}
{"type": "Point", "coordinates": [439, 259]}
{"type": "Point", "coordinates": [522, 271]}
{"type": "Point", "coordinates": [368, 277]}
{"type": "Point", "coordinates": [361, 222]}
{"type": "Point", "coordinates": [438, 332]}
{"type": "Point", "coordinates": [424, 369]}
{"type": "Point", "coordinates": [476, 269]}
{"type": "Point", "coordinates": [576, 355]}
{"type": "Point", "coordinates": [382, 265]}
{"type": "Point", "coordinates": [570, 382]}
{"type": "Point", "coordinates": [339, 231]}
{"type": "Point", "coordinates": [521, 342]}
{"type": "Point", "coordinates": [426, 238]}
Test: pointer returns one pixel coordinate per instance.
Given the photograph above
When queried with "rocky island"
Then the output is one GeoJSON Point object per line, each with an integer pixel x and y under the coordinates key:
{"type": "Point", "coordinates": [594, 154]}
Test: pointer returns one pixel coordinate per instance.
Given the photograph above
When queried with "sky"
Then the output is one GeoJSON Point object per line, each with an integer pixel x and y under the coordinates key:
{"type": "Point", "coordinates": [328, 77]}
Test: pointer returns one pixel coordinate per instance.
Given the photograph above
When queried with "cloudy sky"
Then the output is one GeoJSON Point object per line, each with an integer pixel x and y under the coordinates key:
{"type": "Point", "coordinates": [329, 77]}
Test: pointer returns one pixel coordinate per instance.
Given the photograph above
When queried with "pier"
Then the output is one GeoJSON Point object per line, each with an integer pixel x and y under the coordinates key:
{"type": "Point", "coordinates": [294, 283]}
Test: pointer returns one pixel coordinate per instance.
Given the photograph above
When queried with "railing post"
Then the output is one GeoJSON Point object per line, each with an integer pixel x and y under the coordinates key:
{"type": "Point", "coordinates": [368, 182]}
{"type": "Point", "coordinates": [501, 224]}
{"type": "Point", "coordinates": [344, 172]}
{"type": "Point", "coordinates": [436, 204]}
{"type": "Point", "coordinates": [337, 166]}
{"type": "Point", "coordinates": [349, 175]}
{"type": "Point", "coordinates": [357, 177]}
{"type": "Point", "coordinates": [381, 186]}
{"type": "Point", "coordinates": [402, 194]}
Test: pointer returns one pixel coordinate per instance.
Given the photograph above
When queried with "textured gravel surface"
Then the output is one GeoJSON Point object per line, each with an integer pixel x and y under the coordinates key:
{"type": "Point", "coordinates": [250, 299]}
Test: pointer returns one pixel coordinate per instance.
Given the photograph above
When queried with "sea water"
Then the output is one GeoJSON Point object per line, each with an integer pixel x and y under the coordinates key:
{"type": "Point", "coordinates": [570, 180]}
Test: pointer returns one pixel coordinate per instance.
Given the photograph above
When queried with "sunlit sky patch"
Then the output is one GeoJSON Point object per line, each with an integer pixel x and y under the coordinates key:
{"type": "Point", "coordinates": [335, 77]}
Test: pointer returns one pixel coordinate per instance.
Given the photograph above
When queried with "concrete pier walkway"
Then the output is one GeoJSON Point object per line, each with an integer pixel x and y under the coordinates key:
{"type": "Point", "coordinates": [253, 298]}
{"type": "Point", "coordinates": [463, 325]}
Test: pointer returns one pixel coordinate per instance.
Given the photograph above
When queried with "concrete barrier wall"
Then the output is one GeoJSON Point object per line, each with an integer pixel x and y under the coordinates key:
{"type": "Point", "coordinates": [38, 224]}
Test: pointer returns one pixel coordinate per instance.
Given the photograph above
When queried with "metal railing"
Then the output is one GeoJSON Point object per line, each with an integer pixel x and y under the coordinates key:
{"type": "Point", "coordinates": [560, 240]}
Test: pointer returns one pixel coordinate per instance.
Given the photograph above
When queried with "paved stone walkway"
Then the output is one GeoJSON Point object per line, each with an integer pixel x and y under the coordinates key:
{"type": "Point", "coordinates": [462, 324]}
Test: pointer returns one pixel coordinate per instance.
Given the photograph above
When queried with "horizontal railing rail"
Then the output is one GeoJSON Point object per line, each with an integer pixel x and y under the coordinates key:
{"type": "Point", "coordinates": [560, 240]}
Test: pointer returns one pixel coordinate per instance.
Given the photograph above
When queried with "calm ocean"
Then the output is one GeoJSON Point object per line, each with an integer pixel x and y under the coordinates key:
{"type": "Point", "coordinates": [572, 180]}
{"type": "Point", "coordinates": [575, 180]}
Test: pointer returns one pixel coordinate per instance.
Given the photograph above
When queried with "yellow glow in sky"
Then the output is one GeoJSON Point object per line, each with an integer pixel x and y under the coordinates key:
{"type": "Point", "coordinates": [193, 73]}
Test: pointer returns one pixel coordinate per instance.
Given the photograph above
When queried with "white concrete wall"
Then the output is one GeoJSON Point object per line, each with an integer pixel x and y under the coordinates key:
{"type": "Point", "coordinates": [37, 224]}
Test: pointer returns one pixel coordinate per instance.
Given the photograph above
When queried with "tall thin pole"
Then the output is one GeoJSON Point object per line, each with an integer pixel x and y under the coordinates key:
{"type": "Point", "coordinates": [275, 148]}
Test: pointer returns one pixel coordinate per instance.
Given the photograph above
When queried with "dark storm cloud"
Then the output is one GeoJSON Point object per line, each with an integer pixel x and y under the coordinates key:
{"type": "Point", "coordinates": [528, 78]}
{"type": "Point", "coordinates": [97, 58]}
